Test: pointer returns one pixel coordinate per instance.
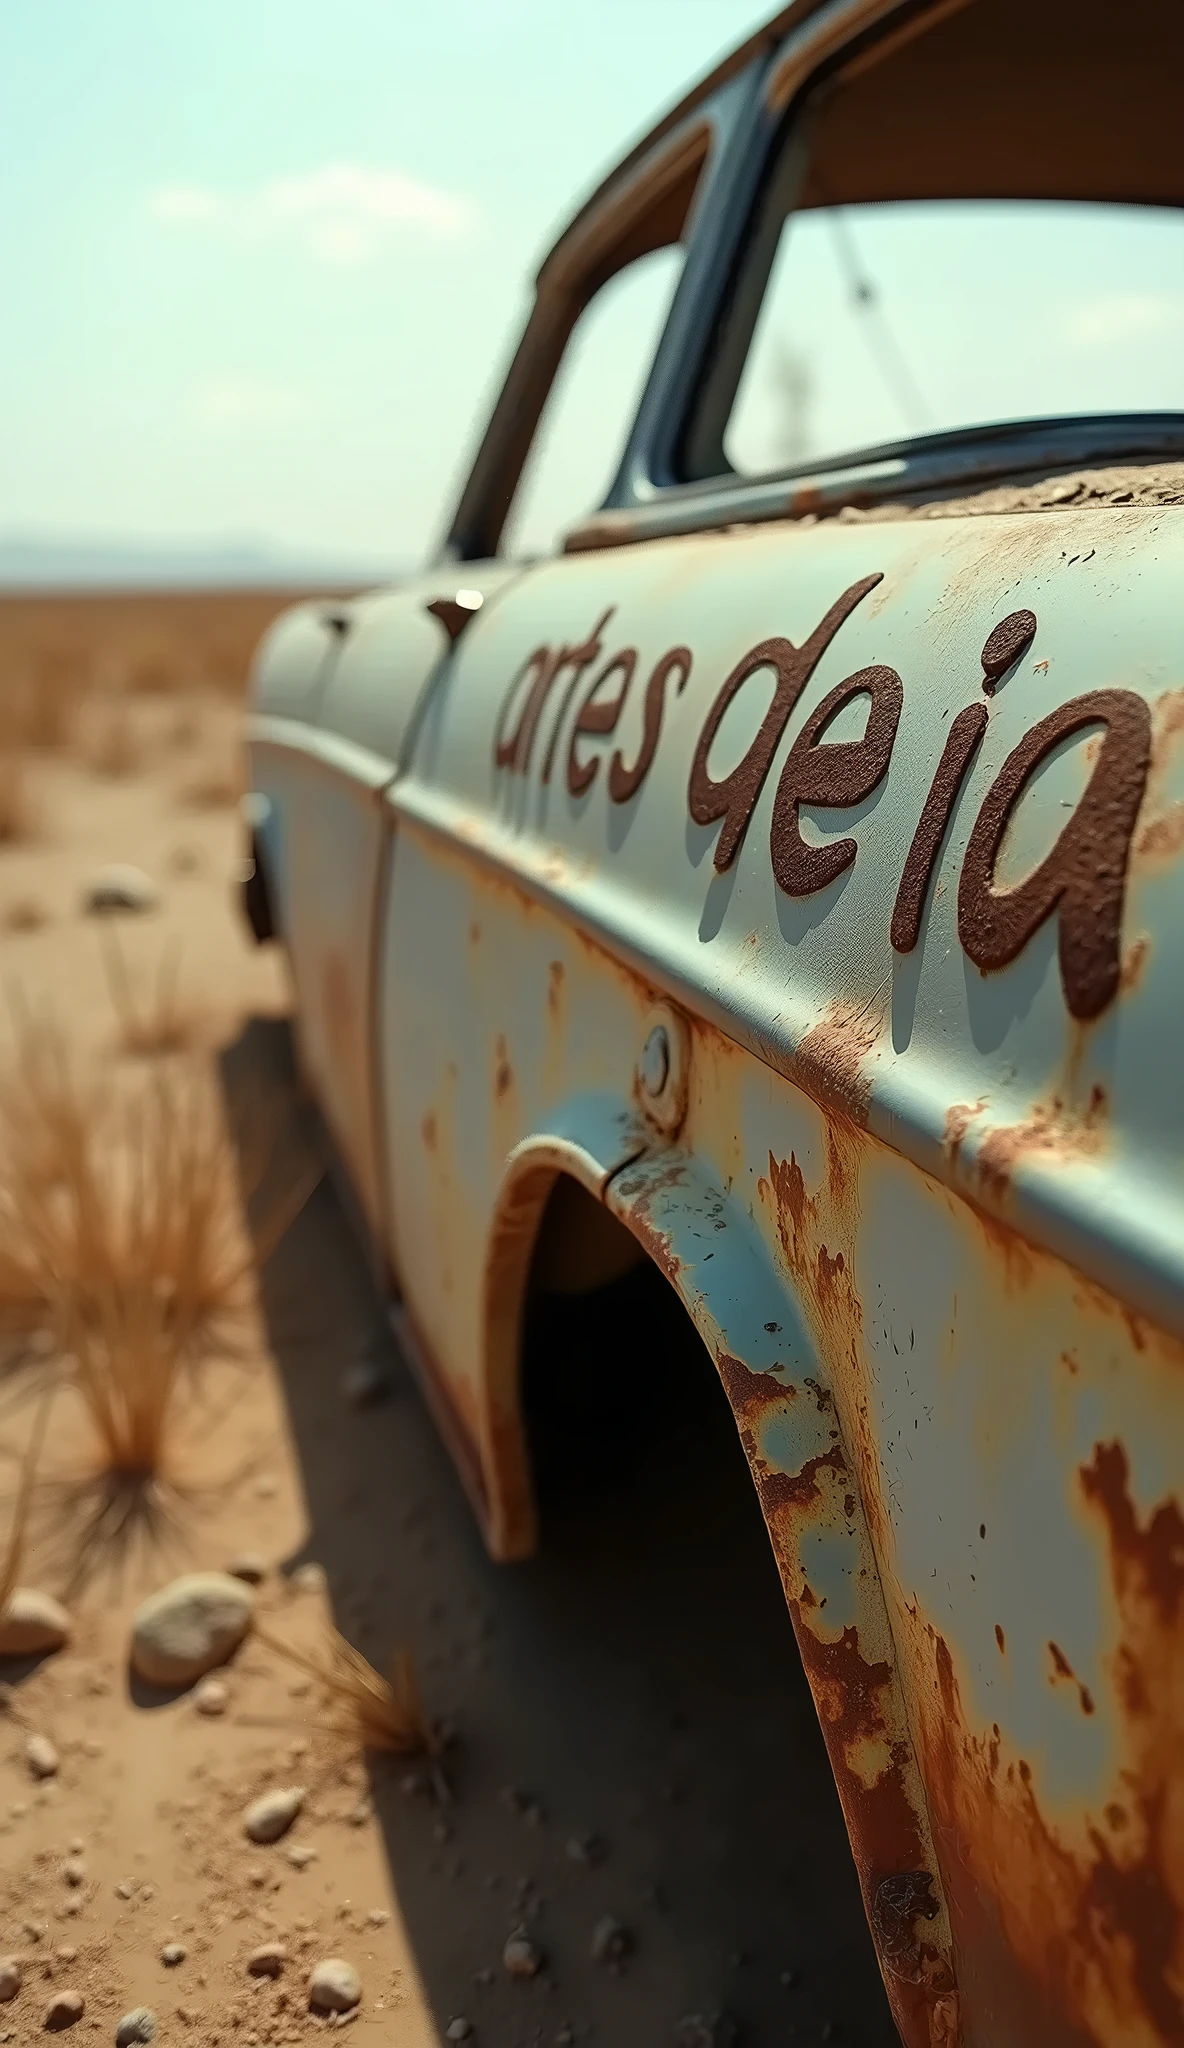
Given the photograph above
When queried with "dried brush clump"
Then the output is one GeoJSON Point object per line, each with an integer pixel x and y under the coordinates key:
{"type": "Point", "coordinates": [17, 814]}
{"type": "Point", "coordinates": [166, 1023]}
{"type": "Point", "coordinates": [108, 741]}
{"type": "Point", "coordinates": [119, 1230]}
{"type": "Point", "coordinates": [381, 1713]}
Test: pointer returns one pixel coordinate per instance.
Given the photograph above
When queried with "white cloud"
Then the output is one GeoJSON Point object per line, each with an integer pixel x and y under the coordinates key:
{"type": "Point", "coordinates": [1127, 317]}
{"type": "Point", "coordinates": [236, 400]}
{"type": "Point", "coordinates": [341, 213]}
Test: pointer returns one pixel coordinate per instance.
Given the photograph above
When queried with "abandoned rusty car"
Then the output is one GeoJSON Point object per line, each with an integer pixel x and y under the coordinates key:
{"type": "Point", "coordinates": [777, 878]}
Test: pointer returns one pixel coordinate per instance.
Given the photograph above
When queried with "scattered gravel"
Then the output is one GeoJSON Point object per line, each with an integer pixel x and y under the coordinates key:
{"type": "Point", "coordinates": [334, 1986]}
{"type": "Point", "coordinates": [136, 2026]}
{"type": "Point", "coordinates": [190, 1626]}
{"type": "Point", "coordinates": [520, 1956]}
{"type": "Point", "coordinates": [32, 1624]}
{"type": "Point", "coordinates": [706, 2030]}
{"type": "Point", "coordinates": [10, 1978]}
{"type": "Point", "coordinates": [65, 2008]}
{"type": "Point", "coordinates": [269, 1817]}
{"type": "Point", "coordinates": [41, 1757]}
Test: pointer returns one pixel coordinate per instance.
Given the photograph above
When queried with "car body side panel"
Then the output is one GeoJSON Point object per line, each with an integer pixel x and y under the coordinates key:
{"type": "Point", "coordinates": [966, 1200]}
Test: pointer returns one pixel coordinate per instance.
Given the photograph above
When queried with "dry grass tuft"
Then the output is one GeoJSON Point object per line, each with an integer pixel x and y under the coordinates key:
{"type": "Point", "coordinates": [17, 817]}
{"type": "Point", "coordinates": [119, 1229]}
{"type": "Point", "coordinates": [10, 1563]}
{"type": "Point", "coordinates": [166, 1023]}
{"type": "Point", "coordinates": [382, 1713]}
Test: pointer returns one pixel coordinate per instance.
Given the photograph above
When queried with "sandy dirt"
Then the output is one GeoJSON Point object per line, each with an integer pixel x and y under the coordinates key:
{"type": "Point", "coordinates": [629, 1734]}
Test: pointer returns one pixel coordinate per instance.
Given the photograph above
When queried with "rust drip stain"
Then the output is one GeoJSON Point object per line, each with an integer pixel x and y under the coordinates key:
{"type": "Point", "coordinates": [1162, 838]}
{"type": "Point", "coordinates": [555, 978]}
{"type": "Point", "coordinates": [958, 1119]}
{"type": "Point", "coordinates": [503, 1079]}
{"type": "Point", "coordinates": [1063, 1669]}
{"type": "Point", "coordinates": [429, 1132]}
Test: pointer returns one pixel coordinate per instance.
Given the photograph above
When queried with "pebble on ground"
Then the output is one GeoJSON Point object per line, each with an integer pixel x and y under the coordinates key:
{"type": "Point", "coordinates": [334, 1986]}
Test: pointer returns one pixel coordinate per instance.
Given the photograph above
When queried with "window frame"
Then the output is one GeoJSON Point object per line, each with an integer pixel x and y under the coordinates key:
{"type": "Point", "coordinates": [674, 476]}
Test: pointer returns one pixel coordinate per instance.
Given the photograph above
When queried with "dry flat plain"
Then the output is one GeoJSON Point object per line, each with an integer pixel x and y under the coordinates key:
{"type": "Point", "coordinates": [624, 1774]}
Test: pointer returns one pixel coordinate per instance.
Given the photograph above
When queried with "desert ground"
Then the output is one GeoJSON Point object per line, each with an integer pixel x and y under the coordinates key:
{"type": "Point", "coordinates": [609, 1755]}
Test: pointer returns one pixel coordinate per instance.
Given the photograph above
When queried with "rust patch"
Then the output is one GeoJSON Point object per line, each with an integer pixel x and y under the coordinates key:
{"type": "Point", "coordinates": [830, 1059]}
{"type": "Point", "coordinates": [503, 1078]}
{"type": "Point", "coordinates": [853, 1696]}
{"type": "Point", "coordinates": [1051, 1129]}
{"type": "Point", "coordinates": [958, 1119]}
{"type": "Point", "coordinates": [1001, 1639]}
{"type": "Point", "coordinates": [555, 978]}
{"type": "Point", "coordinates": [1163, 837]}
{"type": "Point", "coordinates": [1134, 960]}
{"type": "Point", "coordinates": [428, 1131]}
{"type": "Point", "coordinates": [1065, 1941]}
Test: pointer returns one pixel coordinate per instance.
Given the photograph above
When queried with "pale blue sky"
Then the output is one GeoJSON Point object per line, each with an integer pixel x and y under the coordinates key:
{"type": "Point", "coordinates": [263, 259]}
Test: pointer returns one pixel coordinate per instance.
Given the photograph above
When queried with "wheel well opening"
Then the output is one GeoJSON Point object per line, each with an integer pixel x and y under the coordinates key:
{"type": "Point", "coordinates": [655, 1570]}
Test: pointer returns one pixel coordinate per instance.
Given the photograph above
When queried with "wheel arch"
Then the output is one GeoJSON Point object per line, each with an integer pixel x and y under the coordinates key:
{"type": "Point", "coordinates": [710, 1251]}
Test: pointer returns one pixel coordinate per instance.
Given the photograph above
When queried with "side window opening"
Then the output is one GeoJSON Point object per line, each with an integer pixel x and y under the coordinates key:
{"type": "Point", "coordinates": [592, 403]}
{"type": "Point", "coordinates": [975, 224]}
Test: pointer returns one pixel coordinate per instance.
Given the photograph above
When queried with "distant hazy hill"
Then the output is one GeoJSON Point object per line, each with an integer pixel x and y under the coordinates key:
{"type": "Point", "coordinates": [30, 562]}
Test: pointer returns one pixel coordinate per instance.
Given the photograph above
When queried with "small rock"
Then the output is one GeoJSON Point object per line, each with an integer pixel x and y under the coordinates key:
{"type": "Point", "coordinates": [268, 1961]}
{"type": "Point", "coordinates": [211, 1697]}
{"type": "Point", "coordinates": [367, 1381]}
{"type": "Point", "coordinates": [64, 2010]}
{"type": "Point", "coordinates": [334, 1986]}
{"type": "Point", "coordinates": [269, 1817]}
{"type": "Point", "coordinates": [309, 1578]}
{"type": "Point", "coordinates": [459, 2029]}
{"type": "Point", "coordinates": [189, 1627]}
{"type": "Point", "coordinates": [173, 1953]}
{"type": "Point", "coordinates": [136, 2026]}
{"type": "Point", "coordinates": [300, 1855]}
{"type": "Point", "coordinates": [10, 1978]}
{"type": "Point", "coordinates": [587, 1849]}
{"type": "Point", "coordinates": [32, 1624]}
{"type": "Point", "coordinates": [41, 1756]}
{"type": "Point", "coordinates": [611, 1941]}
{"type": "Point", "coordinates": [706, 2030]}
{"type": "Point", "coordinates": [119, 886]}
{"type": "Point", "coordinates": [124, 1888]}
{"type": "Point", "coordinates": [378, 1916]}
{"type": "Point", "coordinates": [520, 1956]}
{"type": "Point", "coordinates": [250, 1568]}
{"type": "Point", "coordinates": [74, 1870]}
{"type": "Point", "coordinates": [361, 1813]}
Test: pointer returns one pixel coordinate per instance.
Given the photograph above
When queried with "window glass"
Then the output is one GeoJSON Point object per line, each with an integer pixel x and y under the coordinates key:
{"type": "Point", "coordinates": [592, 404]}
{"type": "Point", "coordinates": [885, 320]}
